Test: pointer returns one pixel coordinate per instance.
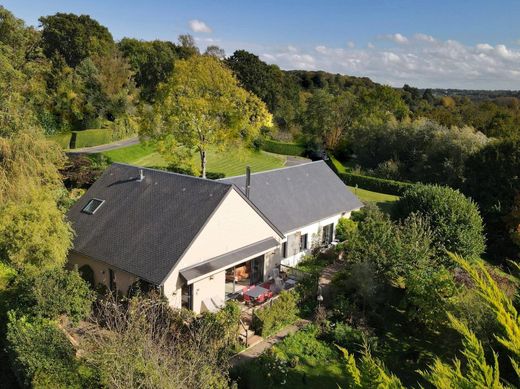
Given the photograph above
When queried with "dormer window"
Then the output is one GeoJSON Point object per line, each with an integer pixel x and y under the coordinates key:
{"type": "Point", "coordinates": [92, 206]}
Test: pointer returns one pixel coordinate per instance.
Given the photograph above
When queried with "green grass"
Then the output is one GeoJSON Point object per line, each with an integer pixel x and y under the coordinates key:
{"type": "Point", "coordinates": [231, 163]}
{"type": "Point", "coordinates": [311, 363]}
{"type": "Point", "coordinates": [382, 200]}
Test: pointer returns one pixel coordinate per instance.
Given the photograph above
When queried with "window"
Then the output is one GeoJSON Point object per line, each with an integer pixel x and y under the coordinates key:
{"type": "Point", "coordinates": [92, 206]}
{"type": "Point", "coordinates": [303, 242]}
{"type": "Point", "coordinates": [328, 232]}
{"type": "Point", "coordinates": [284, 249]}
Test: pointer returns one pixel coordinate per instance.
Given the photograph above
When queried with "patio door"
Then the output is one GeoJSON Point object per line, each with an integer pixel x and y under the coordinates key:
{"type": "Point", "coordinates": [257, 270]}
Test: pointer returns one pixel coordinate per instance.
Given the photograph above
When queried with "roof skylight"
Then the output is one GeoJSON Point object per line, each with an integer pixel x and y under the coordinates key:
{"type": "Point", "coordinates": [92, 206]}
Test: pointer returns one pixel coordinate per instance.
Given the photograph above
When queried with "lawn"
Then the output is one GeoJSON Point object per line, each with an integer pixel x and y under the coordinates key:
{"type": "Point", "coordinates": [382, 200]}
{"type": "Point", "coordinates": [231, 163]}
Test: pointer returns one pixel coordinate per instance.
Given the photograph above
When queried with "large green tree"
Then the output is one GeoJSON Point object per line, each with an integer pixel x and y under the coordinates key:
{"type": "Point", "coordinates": [202, 105]}
{"type": "Point", "coordinates": [327, 117]}
{"type": "Point", "coordinates": [74, 37]}
{"type": "Point", "coordinates": [151, 61]}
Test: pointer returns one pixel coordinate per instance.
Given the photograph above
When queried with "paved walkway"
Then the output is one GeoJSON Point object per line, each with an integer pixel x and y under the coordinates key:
{"type": "Point", "coordinates": [294, 161]}
{"type": "Point", "coordinates": [110, 146]}
{"type": "Point", "coordinates": [255, 351]}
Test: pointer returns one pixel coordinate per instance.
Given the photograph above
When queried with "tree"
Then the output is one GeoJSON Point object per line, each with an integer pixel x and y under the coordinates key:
{"type": "Point", "coordinates": [200, 106]}
{"type": "Point", "coordinates": [215, 51]}
{"type": "Point", "coordinates": [34, 234]}
{"type": "Point", "coordinates": [40, 354]}
{"type": "Point", "coordinates": [74, 37]}
{"type": "Point", "coordinates": [188, 46]}
{"type": "Point", "coordinates": [152, 63]}
{"type": "Point", "coordinates": [52, 293]}
{"type": "Point", "coordinates": [144, 343]}
{"type": "Point", "coordinates": [455, 219]}
{"type": "Point", "coordinates": [492, 176]}
{"type": "Point", "coordinates": [327, 117]}
{"type": "Point", "coordinates": [257, 77]}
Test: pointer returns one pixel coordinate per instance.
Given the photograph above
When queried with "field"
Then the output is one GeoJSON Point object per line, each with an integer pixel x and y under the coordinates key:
{"type": "Point", "coordinates": [231, 163]}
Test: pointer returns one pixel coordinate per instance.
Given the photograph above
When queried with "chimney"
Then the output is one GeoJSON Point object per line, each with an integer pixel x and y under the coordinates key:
{"type": "Point", "coordinates": [248, 180]}
{"type": "Point", "coordinates": [141, 175]}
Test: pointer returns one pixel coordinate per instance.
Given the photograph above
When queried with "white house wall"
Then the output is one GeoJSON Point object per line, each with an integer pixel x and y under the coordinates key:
{"type": "Point", "coordinates": [314, 232]}
{"type": "Point", "coordinates": [100, 269]}
{"type": "Point", "coordinates": [234, 224]}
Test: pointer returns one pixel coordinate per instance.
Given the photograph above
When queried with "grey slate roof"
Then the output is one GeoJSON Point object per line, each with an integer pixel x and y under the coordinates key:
{"type": "Point", "coordinates": [144, 227]}
{"type": "Point", "coordinates": [297, 196]}
{"type": "Point", "coordinates": [227, 259]}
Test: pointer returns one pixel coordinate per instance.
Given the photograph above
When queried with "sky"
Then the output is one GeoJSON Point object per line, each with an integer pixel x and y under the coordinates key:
{"type": "Point", "coordinates": [469, 44]}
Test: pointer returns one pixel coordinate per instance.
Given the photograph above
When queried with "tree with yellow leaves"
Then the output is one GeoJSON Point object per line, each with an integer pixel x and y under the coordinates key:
{"type": "Point", "coordinates": [202, 105]}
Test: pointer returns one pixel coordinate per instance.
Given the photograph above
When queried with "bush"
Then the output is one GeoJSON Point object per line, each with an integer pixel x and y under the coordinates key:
{"type": "Point", "coordinates": [282, 311]}
{"type": "Point", "coordinates": [89, 138]}
{"type": "Point", "coordinates": [305, 345]}
{"type": "Point", "coordinates": [276, 147]}
{"type": "Point", "coordinates": [375, 184]}
{"type": "Point", "coordinates": [62, 139]}
{"type": "Point", "coordinates": [344, 228]}
{"type": "Point", "coordinates": [351, 338]}
{"type": "Point", "coordinates": [380, 185]}
{"type": "Point", "coordinates": [40, 354]}
{"type": "Point", "coordinates": [214, 175]}
{"type": "Point", "coordinates": [53, 293]}
{"type": "Point", "coordinates": [455, 219]}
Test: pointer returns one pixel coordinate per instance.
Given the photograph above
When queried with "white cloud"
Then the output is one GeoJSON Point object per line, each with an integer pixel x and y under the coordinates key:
{"type": "Point", "coordinates": [396, 38]}
{"type": "Point", "coordinates": [424, 38]}
{"type": "Point", "coordinates": [199, 26]}
{"type": "Point", "coordinates": [484, 46]}
{"type": "Point", "coordinates": [351, 45]}
{"type": "Point", "coordinates": [423, 61]}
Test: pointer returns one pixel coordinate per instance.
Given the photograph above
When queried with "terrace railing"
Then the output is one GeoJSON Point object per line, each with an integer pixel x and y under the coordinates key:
{"type": "Point", "coordinates": [294, 273]}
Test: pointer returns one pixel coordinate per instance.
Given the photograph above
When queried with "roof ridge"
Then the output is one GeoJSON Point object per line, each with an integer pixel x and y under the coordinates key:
{"type": "Point", "coordinates": [172, 173]}
{"type": "Point", "coordinates": [273, 170]}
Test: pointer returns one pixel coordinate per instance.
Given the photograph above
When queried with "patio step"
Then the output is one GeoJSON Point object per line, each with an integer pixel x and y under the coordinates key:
{"type": "Point", "coordinates": [252, 340]}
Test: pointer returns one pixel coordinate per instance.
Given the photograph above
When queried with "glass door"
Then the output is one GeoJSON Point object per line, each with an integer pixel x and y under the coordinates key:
{"type": "Point", "coordinates": [257, 270]}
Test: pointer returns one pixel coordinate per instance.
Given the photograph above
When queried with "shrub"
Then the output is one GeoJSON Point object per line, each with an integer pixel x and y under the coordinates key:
{"type": "Point", "coordinates": [375, 184]}
{"type": "Point", "coordinates": [353, 339]}
{"type": "Point", "coordinates": [62, 139]}
{"type": "Point", "coordinates": [40, 354]}
{"type": "Point", "coordinates": [344, 228]}
{"type": "Point", "coordinates": [89, 138]}
{"type": "Point", "coordinates": [276, 147]}
{"type": "Point", "coordinates": [53, 293]}
{"type": "Point", "coordinates": [282, 311]}
{"type": "Point", "coordinates": [305, 345]}
{"type": "Point", "coordinates": [455, 219]}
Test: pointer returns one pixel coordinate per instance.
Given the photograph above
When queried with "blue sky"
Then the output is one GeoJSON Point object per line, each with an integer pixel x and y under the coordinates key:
{"type": "Point", "coordinates": [464, 44]}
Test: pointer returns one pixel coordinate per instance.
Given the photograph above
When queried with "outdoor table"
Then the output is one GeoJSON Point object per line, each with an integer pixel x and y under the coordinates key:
{"type": "Point", "coordinates": [290, 283]}
{"type": "Point", "coordinates": [256, 291]}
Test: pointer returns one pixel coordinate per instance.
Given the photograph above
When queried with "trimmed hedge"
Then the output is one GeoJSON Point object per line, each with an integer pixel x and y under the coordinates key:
{"type": "Point", "coordinates": [282, 312]}
{"type": "Point", "coordinates": [89, 138]}
{"type": "Point", "coordinates": [275, 147]}
{"type": "Point", "coordinates": [374, 184]}
{"type": "Point", "coordinates": [62, 139]}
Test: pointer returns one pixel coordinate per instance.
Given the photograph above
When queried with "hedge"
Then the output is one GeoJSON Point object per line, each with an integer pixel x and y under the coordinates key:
{"type": "Point", "coordinates": [89, 138]}
{"type": "Point", "coordinates": [282, 312]}
{"type": "Point", "coordinates": [374, 184]}
{"type": "Point", "coordinates": [62, 139]}
{"type": "Point", "coordinates": [275, 147]}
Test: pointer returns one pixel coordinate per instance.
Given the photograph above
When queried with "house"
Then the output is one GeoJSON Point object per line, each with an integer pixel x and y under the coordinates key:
{"type": "Point", "coordinates": [304, 202]}
{"type": "Point", "coordinates": [201, 241]}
